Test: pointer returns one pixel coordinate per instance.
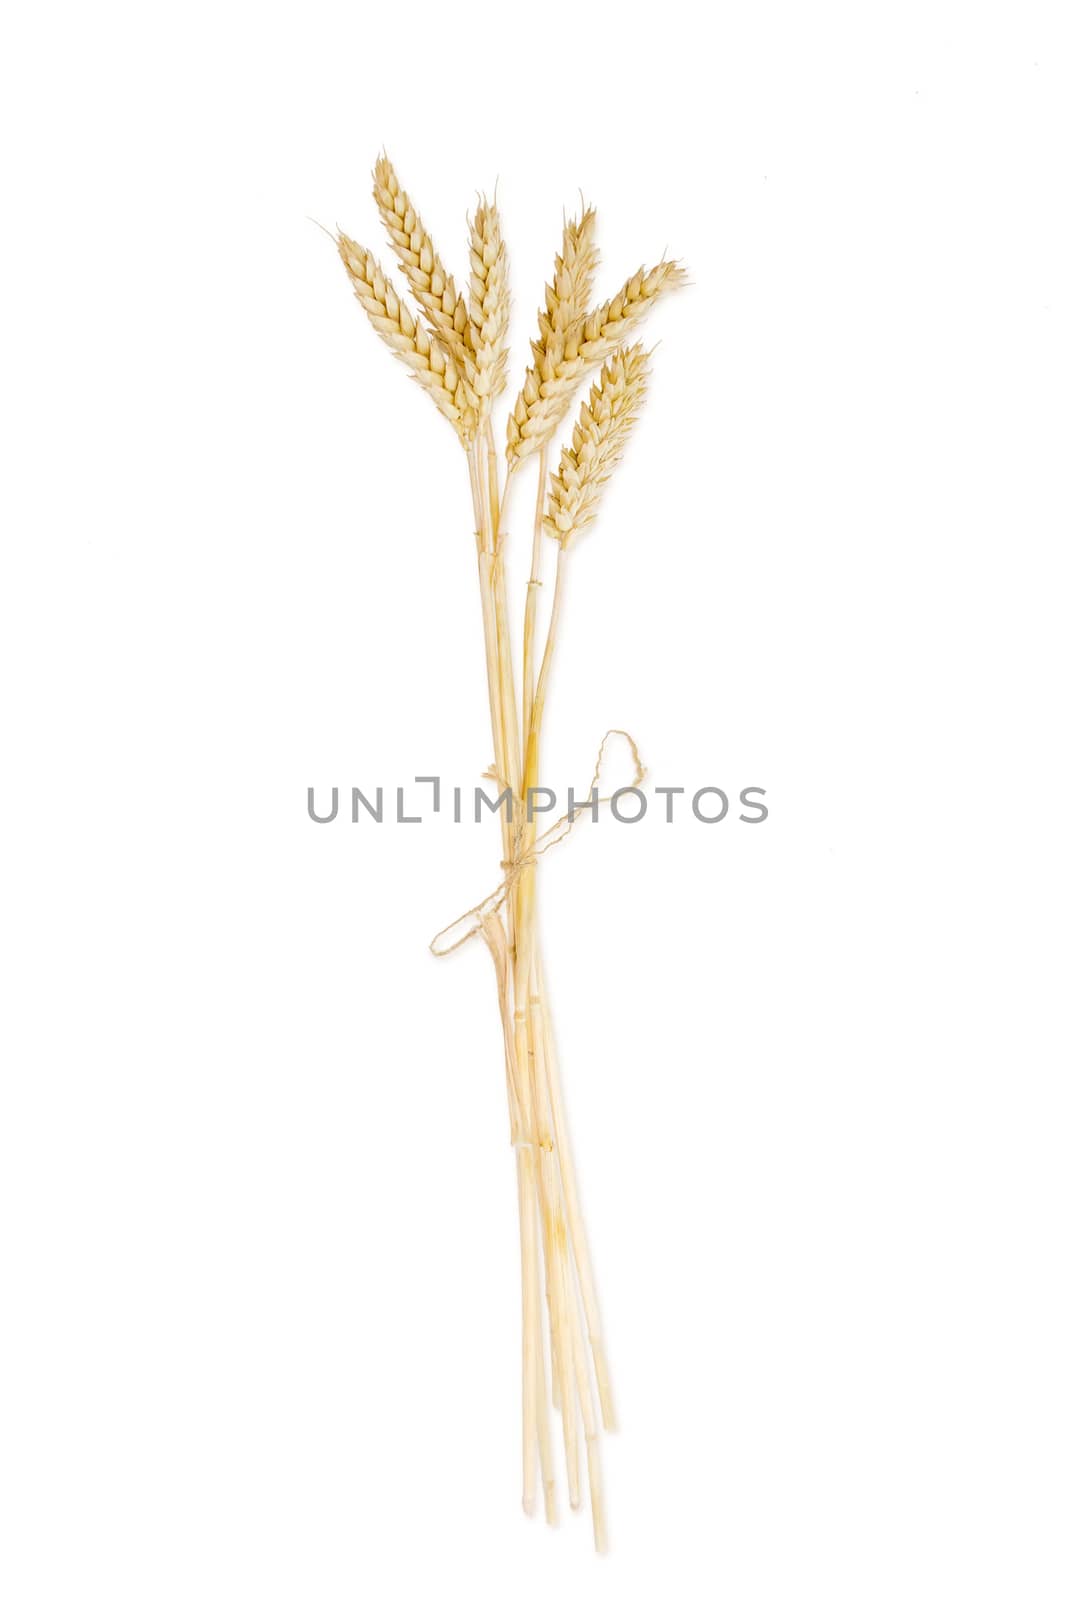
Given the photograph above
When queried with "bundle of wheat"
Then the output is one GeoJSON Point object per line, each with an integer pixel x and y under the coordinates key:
{"type": "Point", "coordinates": [456, 349]}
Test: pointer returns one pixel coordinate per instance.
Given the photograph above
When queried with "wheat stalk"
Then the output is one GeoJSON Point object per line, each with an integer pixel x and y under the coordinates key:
{"type": "Point", "coordinates": [460, 360]}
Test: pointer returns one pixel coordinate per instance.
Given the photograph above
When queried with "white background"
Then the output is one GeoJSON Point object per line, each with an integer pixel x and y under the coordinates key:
{"type": "Point", "coordinates": [260, 1268]}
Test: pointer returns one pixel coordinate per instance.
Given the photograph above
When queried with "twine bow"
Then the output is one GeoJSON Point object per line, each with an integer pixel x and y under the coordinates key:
{"type": "Point", "coordinates": [476, 920]}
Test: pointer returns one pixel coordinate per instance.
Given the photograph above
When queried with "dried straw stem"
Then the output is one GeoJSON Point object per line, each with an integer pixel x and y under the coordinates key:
{"type": "Point", "coordinates": [575, 1221]}
{"type": "Point", "coordinates": [533, 587]}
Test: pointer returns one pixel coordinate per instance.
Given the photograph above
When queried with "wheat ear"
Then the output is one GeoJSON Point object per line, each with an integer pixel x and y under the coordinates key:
{"type": "Point", "coordinates": [487, 329]}
{"type": "Point", "coordinates": [431, 365]}
{"type": "Point", "coordinates": [567, 296]}
{"type": "Point", "coordinates": [551, 384]}
{"type": "Point", "coordinates": [566, 299]}
{"type": "Point", "coordinates": [600, 434]}
{"type": "Point", "coordinates": [432, 286]}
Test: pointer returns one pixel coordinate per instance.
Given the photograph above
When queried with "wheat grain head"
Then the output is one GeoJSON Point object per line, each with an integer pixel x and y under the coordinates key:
{"type": "Point", "coordinates": [559, 368]}
{"type": "Point", "coordinates": [566, 298]}
{"type": "Point", "coordinates": [487, 329]}
{"type": "Point", "coordinates": [430, 363]}
{"type": "Point", "coordinates": [433, 287]}
{"type": "Point", "coordinates": [604, 424]}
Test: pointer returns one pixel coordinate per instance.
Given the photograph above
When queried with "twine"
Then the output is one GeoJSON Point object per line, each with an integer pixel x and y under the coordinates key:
{"type": "Point", "coordinates": [477, 916]}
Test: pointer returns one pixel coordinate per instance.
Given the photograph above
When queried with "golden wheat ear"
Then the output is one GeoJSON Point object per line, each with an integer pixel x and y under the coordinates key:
{"type": "Point", "coordinates": [571, 289]}
{"type": "Point", "coordinates": [560, 367]}
{"type": "Point", "coordinates": [432, 286]}
{"type": "Point", "coordinates": [487, 330]}
{"type": "Point", "coordinates": [566, 298]}
{"type": "Point", "coordinates": [604, 424]}
{"type": "Point", "coordinates": [426, 358]}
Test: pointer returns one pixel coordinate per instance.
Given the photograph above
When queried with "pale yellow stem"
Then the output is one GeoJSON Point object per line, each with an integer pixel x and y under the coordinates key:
{"type": "Point", "coordinates": [544, 1432]}
{"type": "Point", "coordinates": [578, 1353]}
{"type": "Point", "coordinates": [575, 1221]}
{"type": "Point", "coordinates": [494, 495]}
{"type": "Point", "coordinates": [592, 1439]}
{"type": "Point", "coordinates": [543, 1162]}
{"type": "Point", "coordinates": [530, 1319]}
{"type": "Point", "coordinates": [537, 709]}
{"type": "Point", "coordinates": [532, 589]}
{"type": "Point", "coordinates": [517, 1072]}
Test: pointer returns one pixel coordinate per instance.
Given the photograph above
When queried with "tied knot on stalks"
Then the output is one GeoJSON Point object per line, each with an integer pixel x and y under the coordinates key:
{"type": "Point", "coordinates": [455, 347]}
